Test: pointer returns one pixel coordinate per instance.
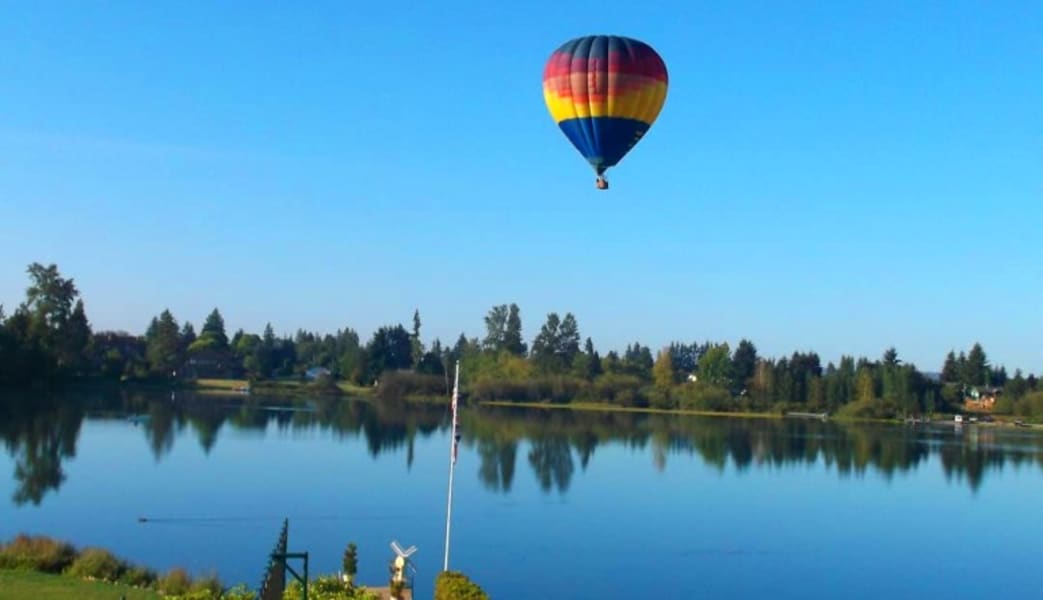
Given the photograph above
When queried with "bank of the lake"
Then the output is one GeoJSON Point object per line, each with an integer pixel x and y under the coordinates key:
{"type": "Point", "coordinates": [297, 389]}
{"type": "Point", "coordinates": [937, 419]}
{"type": "Point", "coordinates": [605, 407]}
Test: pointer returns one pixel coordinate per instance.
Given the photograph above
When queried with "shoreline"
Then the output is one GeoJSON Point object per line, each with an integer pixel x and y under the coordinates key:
{"type": "Point", "coordinates": [601, 407]}
{"type": "Point", "coordinates": [945, 419]}
{"type": "Point", "coordinates": [243, 388]}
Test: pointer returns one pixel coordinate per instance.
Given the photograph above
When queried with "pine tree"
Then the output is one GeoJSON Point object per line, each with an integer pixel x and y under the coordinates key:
{"type": "Point", "coordinates": [75, 341]}
{"type": "Point", "coordinates": [163, 346]}
{"type": "Point", "coordinates": [744, 361]}
{"type": "Point", "coordinates": [188, 335]}
{"type": "Point", "coordinates": [568, 340]}
{"type": "Point", "coordinates": [414, 339]}
{"type": "Point", "coordinates": [950, 370]}
{"type": "Point", "coordinates": [593, 361]}
{"type": "Point", "coordinates": [977, 369]}
{"type": "Point", "coordinates": [512, 335]}
{"type": "Point", "coordinates": [214, 330]}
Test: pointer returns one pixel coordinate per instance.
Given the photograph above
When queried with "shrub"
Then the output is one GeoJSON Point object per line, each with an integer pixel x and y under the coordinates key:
{"type": "Point", "coordinates": [175, 582]}
{"type": "Point", "coordinates": [206, 587]}
{"type": "Point", "coordinates": [558, 389]}
{"type": "Point", "coordinates": [623, 390]}
{"type": "Point", "coordinates": [510, 390]}
{"type": "Point", "coordinates": [704, 396]}
{"type": "Point", "coordinates": [138, 577]}
{"type": "Point", "coordinates": [868, 409]}
{"type": "Point", "coordinates": [395, 385]}
{"type": "Point", "coordinates": [96, 563]}
{"type": "Point", "coordinates": [662, 398]}
{"type": "Point", "coordinates": [37, 553]}
{"type": "Point", "coordinates": [324, 385]}
{"type": "Point", "coordinates": [1004, 406]}
{"type": "Point", "coordinates": [1032, 405]}
{"type": "Point", "coordinates": [239, 592]}
{"type": "Point", "coordinates": [454, 585]}
{"type": "Point", "coordinates": [327, 587]}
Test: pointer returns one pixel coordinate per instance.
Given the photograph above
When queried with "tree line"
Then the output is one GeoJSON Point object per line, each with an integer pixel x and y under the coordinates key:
{"type": "Point", "coordinates": [48, 337]}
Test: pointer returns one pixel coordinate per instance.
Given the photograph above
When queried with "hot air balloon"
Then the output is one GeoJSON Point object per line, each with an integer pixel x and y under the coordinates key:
{"type": "Point", "coordinates": [604, 92]}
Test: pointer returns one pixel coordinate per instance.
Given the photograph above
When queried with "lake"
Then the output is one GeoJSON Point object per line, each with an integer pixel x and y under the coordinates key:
{"type": "Point", "coordinates": [547, 503]}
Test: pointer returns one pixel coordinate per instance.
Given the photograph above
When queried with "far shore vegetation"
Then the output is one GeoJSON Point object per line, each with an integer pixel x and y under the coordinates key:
{"type": "Point", "coordinates": [47, 339]}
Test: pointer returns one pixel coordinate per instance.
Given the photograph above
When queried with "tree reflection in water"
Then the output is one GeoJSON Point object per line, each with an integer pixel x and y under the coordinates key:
{"type": "Point", "coordinates": [40, 431]}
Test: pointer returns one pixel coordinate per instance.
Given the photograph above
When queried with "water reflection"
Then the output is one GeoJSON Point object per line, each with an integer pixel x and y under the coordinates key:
{"type": "Point", "coordinates": [38, 436]}
{"type": "Point", "coordinates": [39, 431]}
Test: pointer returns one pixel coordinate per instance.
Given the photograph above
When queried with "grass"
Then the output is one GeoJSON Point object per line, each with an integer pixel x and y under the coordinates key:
{"type": "Point", "coordinates": [221, 384]}
{"type": "Point", "coordinates": [40, 586]}
{"type": "Point", "coordinates": [277, 386]}
{"type": "Point", "coordinates": [595, 406]}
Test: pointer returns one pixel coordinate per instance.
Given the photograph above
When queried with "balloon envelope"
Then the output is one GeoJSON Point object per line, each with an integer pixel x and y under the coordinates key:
{"type": "Point", "coordinates": [604, 92]}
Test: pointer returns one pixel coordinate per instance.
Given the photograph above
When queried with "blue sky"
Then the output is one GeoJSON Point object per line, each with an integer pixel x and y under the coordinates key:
{"type": "Point", "coordinates": [830, 176]}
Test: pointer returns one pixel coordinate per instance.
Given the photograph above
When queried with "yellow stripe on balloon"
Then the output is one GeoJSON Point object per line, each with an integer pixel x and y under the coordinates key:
{"type": "Point", "coordinates": [642, 104]}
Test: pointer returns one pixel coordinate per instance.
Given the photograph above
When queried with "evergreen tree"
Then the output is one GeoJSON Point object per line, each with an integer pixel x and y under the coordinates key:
{"type": "Point", "coordinates": [73, 350]}
{"type": "Point", "coordinates": [163, 345]}
{"type": "Point", "coordinates": [188, 335]}
{"type": "Point", "coordinates": [950, 369]}
{"type": "Point", "coordinates": [848, 381]}
{"type": "Point", "coordinates": [997, 377]}
{"type": "Point", "coordinates": [977, 369]}
{"type": "Point", "coordinates": [1016, 387]}
{"type": "Point", "coordinates": [512, 335]}
{"type": "Point", "coordinates": [593, 361]}
{"type": "Point", "coordinates": [638, 361]}
{"type": "Point", "coordinates": [890, 358]}
{"type": "Point", "coordinates": [744, 361]}
{"type": "Point", "coordinates": [350, 562]}
{"type": "Point", "coordinates": [685, 357]}
{"type": "Point", "coordinates": [568, 340]}
{"type": "Point", "coordinates": [214, 331]}
{"type": "Point", "coordinates": [388, 350]}
{"type": "Point", "coordinates": [416, 345]}
{"type": "Point", "coordinates": [611, 363]}
{"type": "Point", "coordinates": [961, 368]}
{"type": "Point", "coordinates": [834, 388]}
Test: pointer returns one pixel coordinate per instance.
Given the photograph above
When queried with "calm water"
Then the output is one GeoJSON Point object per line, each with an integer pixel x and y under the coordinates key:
{"type": "Point", "coordinates": [605, 505]}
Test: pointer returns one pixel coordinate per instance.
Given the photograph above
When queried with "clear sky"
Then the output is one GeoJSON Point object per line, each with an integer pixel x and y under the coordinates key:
{"type": "Point", "coordinates": [830, 176]}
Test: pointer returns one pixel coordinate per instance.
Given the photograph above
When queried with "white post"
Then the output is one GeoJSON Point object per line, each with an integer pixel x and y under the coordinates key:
{"type": "Point", "coordinates": [452, 465]}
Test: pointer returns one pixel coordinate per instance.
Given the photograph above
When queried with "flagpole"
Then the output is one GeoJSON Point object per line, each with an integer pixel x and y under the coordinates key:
{"type": "Point", "coordinates": [454, 440]}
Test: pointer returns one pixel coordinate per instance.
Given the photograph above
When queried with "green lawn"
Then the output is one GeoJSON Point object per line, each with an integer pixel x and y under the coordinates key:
{"type": "Point", "coordinates": [287, 386]}
{"type": "Point", "coordinates": [40, 586]}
